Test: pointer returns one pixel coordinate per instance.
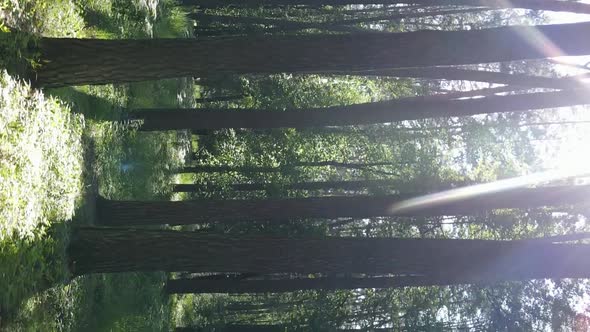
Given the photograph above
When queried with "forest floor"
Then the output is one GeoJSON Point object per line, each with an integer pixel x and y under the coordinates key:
{"type": "Point", "coordinates": [57, 154]}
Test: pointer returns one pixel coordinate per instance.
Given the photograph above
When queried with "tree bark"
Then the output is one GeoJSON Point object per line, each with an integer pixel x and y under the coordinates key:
{"type": "Point", "coordinates": [104, 250]}
{"type": "Point", "coordinates": [93, 61]}
{"type": "Point", "coordinates": [550, 5]}
{"type": "Point", "coordinates": [402, 16]}
{"type": "Point", "coordinates": [279, 24]}
{"type": "Point", "coordinates": [236, 286]}
{"type": "Point", "coordinates": [449, 73]}
{"type": "Point", "coordinates": [219, 98]}
{"type": "Point", "coordinates": [458, 128]}
{"type": "Point", "coordinates": [270, 328]}
{"type": "Point", "coordinates": [233, 328]}
{"type": "Point", "coordinates": [333, 25]}
{"type": "Point", "coordinates": [398, 185]}
{"type": "Point", "coordinates": [413, 108]}
{"type": "Point", "coordinates": [321, 185]}
{"type": "Point", "coordinates": [282, 168]}
{"type": "Point", "coordinates": [242, 328]}
{"type": "Point", "coordinates": [121, 213]}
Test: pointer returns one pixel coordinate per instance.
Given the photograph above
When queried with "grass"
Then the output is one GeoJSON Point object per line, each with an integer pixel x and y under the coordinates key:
{"type": "Point", "coordinates": [57, 153]}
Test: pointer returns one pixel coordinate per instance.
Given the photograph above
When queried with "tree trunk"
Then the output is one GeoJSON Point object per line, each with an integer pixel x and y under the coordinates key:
{"type": "Point", "coordinates": [485, 92]}
{"type": "Point", "coordinates": [394, 130]}
{"type": "Point", "coordinates": [270, 328]}
{"type": "Point", "coordinates": [121, 213]}
{"type": "Point", "coordinates": [402, 16]}
{"type": "Point", "coordinates": [272, 169]}
{"type": "Point", "coordinates": [236, 286]}
{"type": "Point", "coordinates": [448, 73]}
{"type": "Point", "coordinates": [104, 250]}
{"type": "Point", "coordinates": [219, 98]}
{"type": "Point", "coordinates": [235, 328]}
{"type": "Point", "coordinates": [398, 185]}
{"type": "Point", "coordinates": [323, 185]}
{"type": "Point", "coordinates": [360, 114]}
{"type": "Point", "coordinates": [550, 5]}
{"type": "Point", "coordinates": [93, 61]}
{"type": "Point", "coordinates": [333, 25]}
{"type": "Point", "coordinates": [279, 24]}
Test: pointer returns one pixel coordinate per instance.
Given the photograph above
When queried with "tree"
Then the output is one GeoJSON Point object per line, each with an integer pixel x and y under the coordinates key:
{"type": "Point", "coordinates": [282, 25]}
{"type": "Point", "coordinates": [218, 98]}
{"type": "Point", "coordinates": [237, 286]}
{"type": "Point", "coordinates": [319, 185]}
{"type": "Point", "coordinates": [234, 328]}
{"type": "Point", "coordinates": [122, 213]}
{"type": "Point", "coordinates": [393, 184]}
{"type": "Point", "coordinates": [450, 73]}
{"type": "Point", "coordinates": [103, 250]}
{"type": "Point", "coordinates": [269, 328]}
{"type": "Point", "coordinates": [551, 5]}
{"type": "Point", "coordinates": [282, 168]}
{"type": "Point", "coordinates": [93, 61]}
{"type": "Point", "coordinates": [412, 108]}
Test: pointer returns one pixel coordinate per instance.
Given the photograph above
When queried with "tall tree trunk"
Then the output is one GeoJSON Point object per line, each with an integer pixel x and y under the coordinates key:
{"type": "Point", "coordinates": [333, 25]}
{"type": "Point", "coordinates": [219, 98]}
{"type": "Point", "coordinates": [233, 328]}
{"type": "Point", "coordinates": [402, 16]}
{"type": "Point", "coordinates": [398, 185]}
{"type": "Point", "coordinates": [485, 92]}
{"type": "Point", "coordinates": [103, 250]}
{"type": "Point", "coordinates": [278, 24]}
{"type": "Point", "coordinates": [282, 168]}
{"type": "Point", "coordinates": [369, 113]}
{"type": "Point", "coordinates": [321, 185]}
{"type": "Point", "coordinates": [236, 286]}
{"type": "Point", "coordinates": [449, 73]}
{"type": "Point", "coordinates": [550, 5]}
{"type": "Point", "coordinates": [93, 61]}
{"type": "Point", "coordinates": [393, 130]}
{"type": "Point", "coordinates": [269, 328]}
{"type": "Point", "coordinates": [122, 213]}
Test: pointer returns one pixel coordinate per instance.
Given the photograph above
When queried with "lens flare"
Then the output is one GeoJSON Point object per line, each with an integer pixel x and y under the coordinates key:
{"type": "Point", "coordinates": [538, 40]}
{"type": "Point", "coordinates": [455, 195]}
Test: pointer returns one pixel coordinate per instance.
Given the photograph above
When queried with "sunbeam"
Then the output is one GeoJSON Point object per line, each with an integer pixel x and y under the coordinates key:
{"type": "Point", "coordinates": [455, 195]}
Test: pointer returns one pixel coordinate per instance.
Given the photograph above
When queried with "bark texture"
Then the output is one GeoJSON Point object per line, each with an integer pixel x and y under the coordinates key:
{"type": "Point", "coordinates": [323, 185]}
{"type": "Point", "coordinates": [93, 61]}
{"type": "Point", "coordinates": [286, 167]}
{"type": "Point", "coordinates": [219, 98]}
{"type": "Point", "coordinates": [290, 25]}
{"type": "Point", "coordinates": [449, 73]}
{"type": "Point", "coordinates": [121, 213]}
{"type": "Point", "coordinates": [98, 250]}
{"type": "Point", "coordinates": [269, 328]}
{"type": "Point", "coordinates": [234, 328]}
{"type": "Point", "coordinates": [550, 5]}
{"type": "Point", "coordinates": [236, 286]}
{"type": "Point", "coordinates": [360, 114]}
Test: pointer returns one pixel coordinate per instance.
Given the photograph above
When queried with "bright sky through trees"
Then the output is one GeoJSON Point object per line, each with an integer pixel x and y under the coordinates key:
{"type": "Point", "coordinates": [567, 150]}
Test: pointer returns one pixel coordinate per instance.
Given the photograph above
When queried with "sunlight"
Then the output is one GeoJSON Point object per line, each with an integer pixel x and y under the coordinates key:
{"type": "Point", "coordinates": [455, 195]}
{"type": "Point", "coordinates": [570, 160]}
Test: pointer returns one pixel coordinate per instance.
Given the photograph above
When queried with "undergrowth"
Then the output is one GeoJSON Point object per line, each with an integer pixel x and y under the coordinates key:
{"type": "Point", "coordinates": [40, 182]}
{"type": "Point", "coordinates": [57, 151]}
